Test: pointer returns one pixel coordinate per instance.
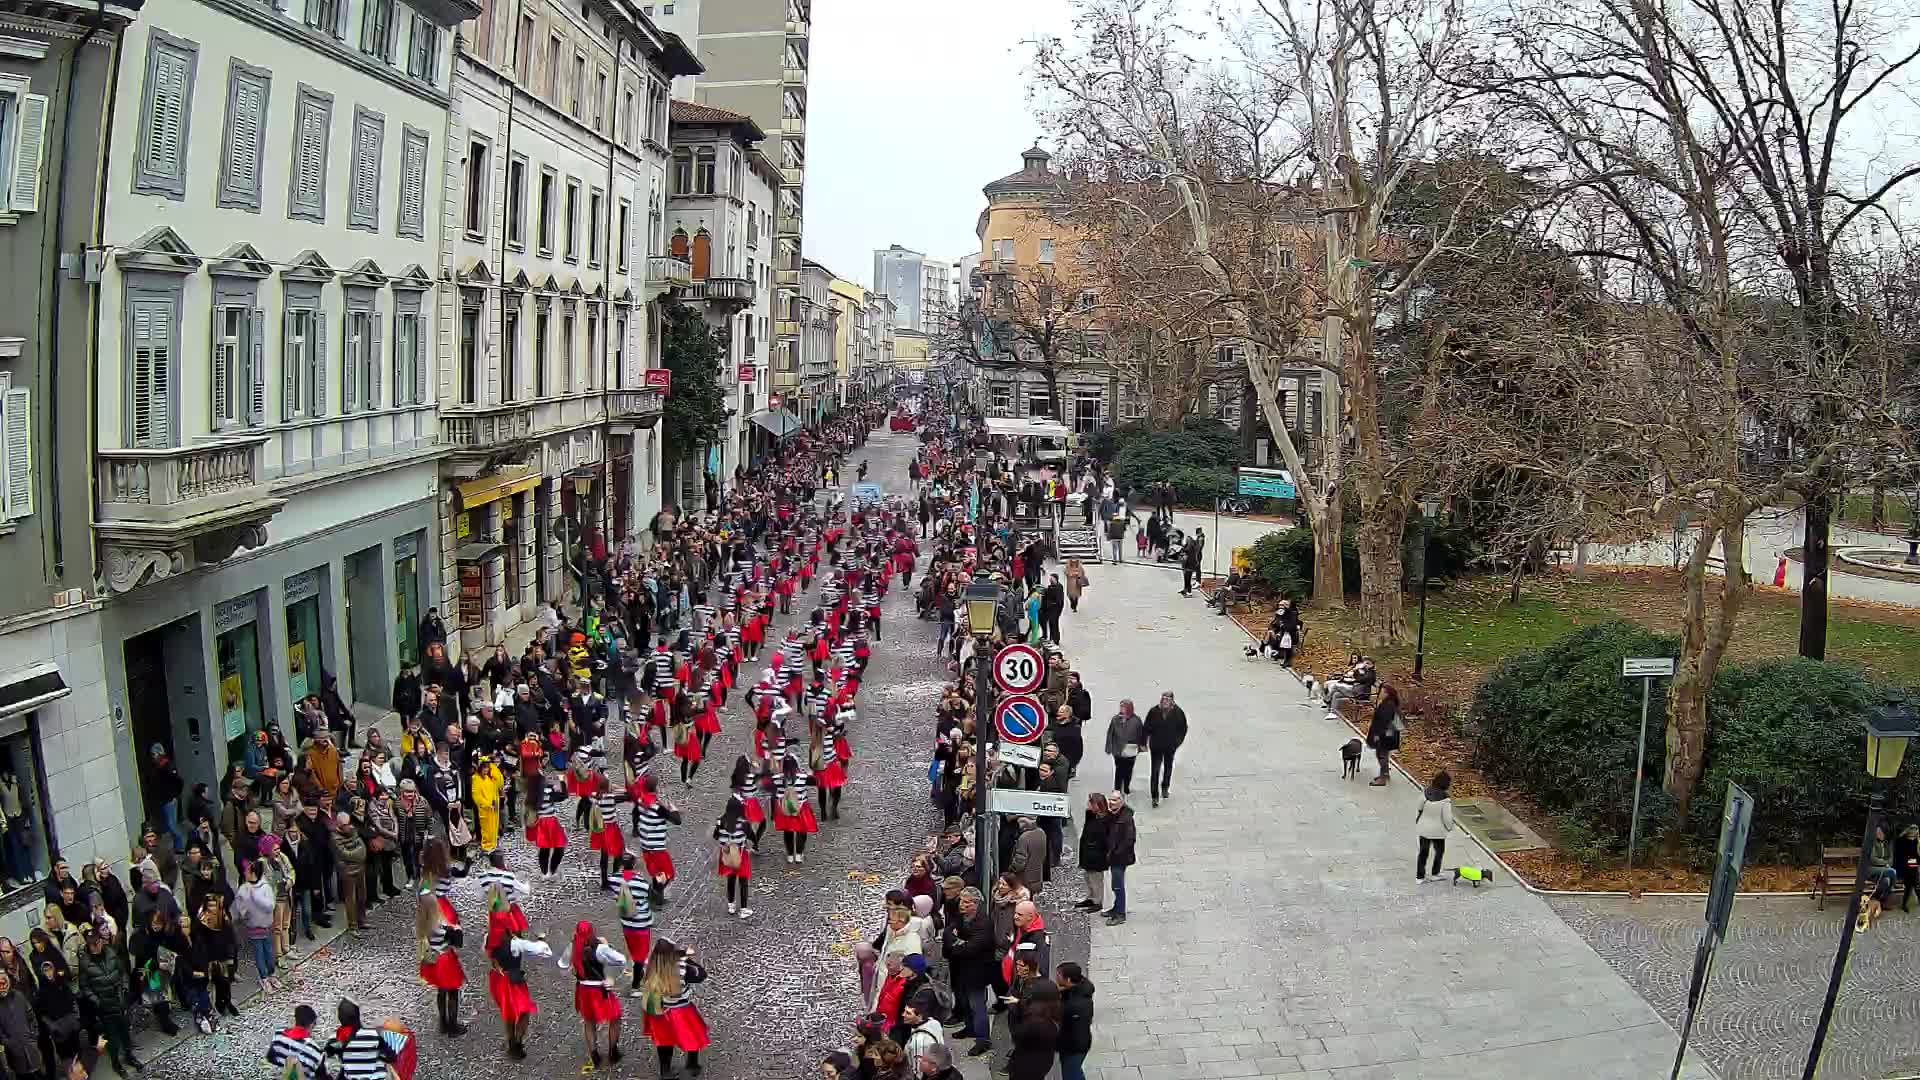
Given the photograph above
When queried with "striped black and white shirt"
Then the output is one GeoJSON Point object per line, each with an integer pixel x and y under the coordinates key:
{"type": "Point", "coordinates": [704, 616]}
{"type": "Point", "coordinates": [636, 913]}
{"type": "Point", "coordinates": [660, 664]}
{"type": "Point", "coordinates": [606, 799]}
{"type": "Point", "coordinates": [363, 1054]}
{"type": "Point", "coordinates": [654, 819]}
{"type": "Point", "coordinates": [737, 835]}
{"type": "Point", "coordinates": [296, 1045]}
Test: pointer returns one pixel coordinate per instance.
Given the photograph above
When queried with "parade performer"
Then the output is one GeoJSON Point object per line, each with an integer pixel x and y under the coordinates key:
{"type": "Point", "coordinates": [545, 833]}
{"type": "Point", "coordinates": [793, 805]}
{"type": "Point", "coordinates": [686, 741]}
{"type": "Point", "coordinates": [362, 1052]}
{"type": "Point", "coordinates": [656, 814]}
{"type": "Point", "coordinates": [736, 863]}
{"type": "Point", "coordinates": [592, 998]}
{"type": "Point", "coordinates": [507, 981]}
{"type": "Point", "coordinates": [437, 931]}
{"type": "Point", "coordinates": [605, 823]}
{"type": "Point", "coordinates": [636, 915]}
{"type": "Point", "coordinates": [748, 784]}
{"type": "Point", "coordinates": [672, 1021]}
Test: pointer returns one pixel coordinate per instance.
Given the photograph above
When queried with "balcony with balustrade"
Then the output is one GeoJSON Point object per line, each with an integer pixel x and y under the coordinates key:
{"type": "Point", "coordinates": [471, 430]}
{"type": "Point", "coordinates": [665, 274]}
{"type": "Point", "coordinates": [641, 408]}
{"type": "Point", "coordinates": [164, 512]}
{"type": "Point", "coordinates": [730, 293]}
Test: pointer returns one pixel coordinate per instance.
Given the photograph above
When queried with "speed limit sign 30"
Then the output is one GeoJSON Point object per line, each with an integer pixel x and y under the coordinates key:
{"type": "Point", "coordinates": [1019, 669]}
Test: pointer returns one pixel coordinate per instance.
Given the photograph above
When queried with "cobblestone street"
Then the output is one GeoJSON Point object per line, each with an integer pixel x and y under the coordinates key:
{"type": "Point", "coordinates": [1769, 980]}
{"type": "Point", "coordinates": [782, 987]}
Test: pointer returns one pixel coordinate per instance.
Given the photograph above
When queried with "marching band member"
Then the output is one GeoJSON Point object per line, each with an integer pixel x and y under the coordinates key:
{"type": "Point", "coordinates": [592, 998]}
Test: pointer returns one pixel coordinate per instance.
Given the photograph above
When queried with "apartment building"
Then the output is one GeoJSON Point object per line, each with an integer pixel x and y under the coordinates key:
{"type": "Point", "coordinates": [814, 318]}
{"type": "Point", "coordinates": [720, 218]}
{"type": "Point", "coordinates": [554, 217]}
{"type": "Point", "coordinates": [267, 447]}
{"type": "Point", "coordinates": [64, 752]}
{"type": "Point", "coordinates": [920, 288]}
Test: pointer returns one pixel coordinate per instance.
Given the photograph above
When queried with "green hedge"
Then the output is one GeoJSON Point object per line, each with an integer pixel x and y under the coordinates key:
{"type": "Point", "coordinates": [1283, 561]}
{"type": "Point", "coordinates": [1561, 723]}
{"type": "Point", "coordinates": [1198, 458]}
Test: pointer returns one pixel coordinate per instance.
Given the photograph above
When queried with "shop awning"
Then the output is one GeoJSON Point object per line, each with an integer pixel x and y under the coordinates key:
{"type": "Point", "coordinates": [1011, 425]}
{"type": "Point", "coordinates": [493, 488]}
{"type": "Point", "coordinates": [478, 550]}
{"type": "Point", "coordinates": [779, 422]}
{"type": "Point", "coordinates": [26, 690]}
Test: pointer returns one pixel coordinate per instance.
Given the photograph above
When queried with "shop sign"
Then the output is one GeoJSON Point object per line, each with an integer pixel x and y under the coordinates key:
{"type": "Point", "coordinates": [473, 612]}
{"type": "Point", "coordinates": [231, 613]}
{"type": "Point", "coordinates": [233, 706]}
{"type": "Point", "coordinates": [462, 526]}
{"type": "Point", "coordinates": [406, 547]}
{"type": "Point", "coordinates": [297, 681]}
{"type": "Point", "coordinates": [748, 374]}
{"type": "Point", "coordinates": [303, 586]}
{"type": "Point", "coordinates": [659, 378]}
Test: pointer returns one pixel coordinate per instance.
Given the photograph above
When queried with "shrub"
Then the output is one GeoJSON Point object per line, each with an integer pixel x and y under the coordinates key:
{"type": "Point", "coordinates": [1283, 561]}
{"type": "Point", "coordinates": [1197, 458]}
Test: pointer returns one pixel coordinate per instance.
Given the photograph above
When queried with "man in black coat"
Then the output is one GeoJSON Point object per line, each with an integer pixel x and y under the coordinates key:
{"type": "Point", "coordinates": [1166, 730]}
{"type": "Point", "coordinates": [431, 628]}
{"type": "Point", "coordinates": [1121, 836]}
{"type": "Point", "coordinates": [1190, 561]}
{"type": "Point", "coordinates": [967, 943]}
{"type": "Point", "coordinates": [1053, 601]}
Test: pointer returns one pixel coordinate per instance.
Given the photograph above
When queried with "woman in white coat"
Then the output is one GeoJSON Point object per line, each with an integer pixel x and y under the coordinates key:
{"type": "Point", "coordinates": [1432, 822]}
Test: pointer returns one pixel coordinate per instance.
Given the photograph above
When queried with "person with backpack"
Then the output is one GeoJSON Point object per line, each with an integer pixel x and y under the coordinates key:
{"type": "Point", "coordinates": [921, 1019]}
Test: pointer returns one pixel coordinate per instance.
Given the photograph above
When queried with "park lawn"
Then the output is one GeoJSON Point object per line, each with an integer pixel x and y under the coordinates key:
{"type": "Point", "coordinates": [1471, 628]}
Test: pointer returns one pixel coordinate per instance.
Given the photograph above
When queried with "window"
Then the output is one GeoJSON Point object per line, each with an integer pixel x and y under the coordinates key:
{"type": "Point", "coordinates": [682, 172]}
{"type": "Point", "coordinates": [324, 16]}
{"type": "Point", "coordinates": [620, 351]}
{"type": "Point", "coordinates": [517, 203]}
{"type": "Point", "coordinates": [623, 235]}
{"type": "Point", "coordinates": [553, 69]}
{"type": "Point", "coordinates": [600, 101]}
{"type": "Point", "coordinates": [1039, 402]}
{"type": "Point", "coordinates": [566, 353]}
{"type": "Point", "coordinates": [1002, 398]}
{"type": "Point", "coordinates": [23, 127]}
{"type": "Point", "coordinates": [736, 173]}
{"type": "Point", "coordinates": [160, 167]}
{"type": "Point", "coordinates": [594, 202]}
{"type": "Point", "coordinates": [303, 364]}
{"type": "Point", "coordinates": [360, 352]}
{"type": "Point", "coordinates": [547, 179]}
{"type": "Point", "coordinates": [307, 177]}
{"type": "Point", "coordinates": [153, 344]}
{"type": "Point", "coordinates": [540, 387]}
{"type": "Point", "coordinates": [413, 183]}
{"type": "Point", "coordinates": [753, 228]}
{"type": "Point", "coordinates": [369, 144]}
{"type": "Point", "coordinates": [1003, 252]}
{"type": "Point", "coordinates": [477, 173]}
{"type": "Point", "coordinates": [657, 112]}
{"type": "Point", "coordinates": [376, 30]}
{"type": "Point", "coordinates": [703, 171]}
{"type": "Point", "coordinates": [244, 142]}
{"type": "Point", "coordinates": [16, 450]}
{"type": "Point", "coordinates": [469, 355]}
{"type": "Point", "coordinates": [510, 353]}
{"type": "Point", "coordinates": [594, 360]}
{"type": "Point", "coordinates": [1046, 249]}
{"type": "Point", "coordinates": [409, 356]}
{"type": "Point", "coordinates": [1283, 259]}
{"type": "Point", "coordinates": [626, 118]}
{"type": "Point", "coordinates": [239, 358]}
{"type": "Point", "coordinates": [579, 86]}
{"type": "Point", "coordinates": [423, 56]}
{"type": "Point", "coordinates": [523, 50]}
{"type": "Point", "coordinates": [573, 221]}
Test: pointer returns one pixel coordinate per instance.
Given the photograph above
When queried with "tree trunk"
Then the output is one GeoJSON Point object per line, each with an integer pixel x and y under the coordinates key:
{"type": "Point", "coordinates": [1329, 577]}
{"type": "Point", "coordinates": [1877, 516]}
{"type": "Point", "coordinates": [1712, 604]}
{"type": "Point", "coordinates": [1383, 615]}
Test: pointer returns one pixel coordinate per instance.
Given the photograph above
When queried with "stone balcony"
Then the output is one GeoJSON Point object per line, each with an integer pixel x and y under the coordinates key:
{"type": "Point", "coordinates": [164, 512]}
{"type": "Point", "coordinates": [786, 223]}
{"type": "Point", "coordinates": [733, 292]}
{"type": "Point", "coordinates": [665, 274]}
{"type": "Point", "coordinates": [640, 408]}
{"type": "Point", "coordinates": [470, 429]}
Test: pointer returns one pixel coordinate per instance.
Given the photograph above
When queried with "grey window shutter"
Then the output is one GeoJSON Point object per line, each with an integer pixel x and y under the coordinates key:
{"type": "Point", "coordinates": [246, 120]}
{"type": "Point", "coordinates": [413, 184]}
{"type": "Point", "coordinates": [29, 145]}
{"type": "Point", "coordinates": [220, 373]}
{"type": "Point", "coordinates": [318, 352]}
{"type": "Point", "coordinates": [350, 364]}
{"type": "Point", "coordinates": [420, 361]}
{"type": "Point", "coordinates": [289, 369]}
{"type": "Point", "coordinates": [169, 113]}
{"type": "Point", "coordinates": [16, 408]}
{"type": "Point", "coordinates": [374, 360]}
{"type": "Point", "coordinates": [368, 137]}
{"type": "Point", "coordinates": [257, 369]}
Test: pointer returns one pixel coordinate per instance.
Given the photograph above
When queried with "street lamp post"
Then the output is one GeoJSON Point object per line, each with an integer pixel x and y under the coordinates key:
{"type": "Point", "coordinates": [1429, 509]}
{"type": "Point", "coordinates": [1889, 727]}
{"type": "Point", "coordinates": [983, 602]}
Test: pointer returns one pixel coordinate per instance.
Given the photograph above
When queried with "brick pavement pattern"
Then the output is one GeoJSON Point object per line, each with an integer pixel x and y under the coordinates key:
{"type": "Point", "coordinates": [1275, 925]}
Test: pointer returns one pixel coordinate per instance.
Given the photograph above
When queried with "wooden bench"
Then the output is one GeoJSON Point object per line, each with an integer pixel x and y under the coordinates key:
{"type": "Point", "coordinates": [1839, 871]}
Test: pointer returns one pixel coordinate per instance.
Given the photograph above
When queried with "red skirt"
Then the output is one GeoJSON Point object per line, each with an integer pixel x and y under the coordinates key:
{"type": "Point", "coordinates": [609, 840]}
{"type": "Point", "coordinates": [793, 687]}
{"type": "Point", "coordinates": [753, 814]}
{"type": "Point", "coordinates": [580, 786]}
{"type": "Point", "coordinates": [708, 722]}
{"type": "Point", "coordinates": [832, 776]}
{"type": "Point", "coordinates": [510, 997]}
{"type": "Point", "coordinates": [681, 1028]}
{"type": "Point", "coordinates": [639, 944]}
{"type": "Point", "coordinates": [744, 871]}
{"type": "Point", "coordinates": [688, 748]}
{"type": "Point", "coordinates": [545, 832]}
{"type": "Point", "coordinates": [595, 1004]}
{"type": "Point", "coordinates": [443, 972]}
{"type": "Point", "coordinates": [803, 821]}
{"type": "Point", "coordinates": [845, 750]}
{"type": "Point", "coordinates": [820, 650]}
{"type": "Point", "coordinates": [658, 863]}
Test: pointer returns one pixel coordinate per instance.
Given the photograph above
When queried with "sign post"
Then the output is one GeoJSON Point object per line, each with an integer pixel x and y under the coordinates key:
{"type": "Point", "coordinates": [1028, 803]}
{"type": "Point", "coordinates": [1646, 669]}
{"type": "Point", "coordinates": [1727, 859]}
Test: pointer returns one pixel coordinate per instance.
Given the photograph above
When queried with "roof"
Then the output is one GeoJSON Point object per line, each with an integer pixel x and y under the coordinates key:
{"type": "Point", "coordinates": [1034, 176]}
{"type": "Point", "coordinates": [692, 112]}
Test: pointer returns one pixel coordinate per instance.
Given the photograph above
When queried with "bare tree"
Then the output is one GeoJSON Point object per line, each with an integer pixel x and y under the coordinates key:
{"type": "Point", "coordinates": [1041, 318]}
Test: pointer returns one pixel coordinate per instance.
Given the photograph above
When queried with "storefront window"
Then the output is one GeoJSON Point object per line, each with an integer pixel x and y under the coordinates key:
{"type": "Point", "coordinates": [305, 660]}
{"type": "Point", "coordinates": [406, 599]}
{"type": "Point", "coordinates": [25, 840]}
{"type": "Point", "coordinates": [240, 707]}
{"type": "Point", "coordinates": [511, 509]}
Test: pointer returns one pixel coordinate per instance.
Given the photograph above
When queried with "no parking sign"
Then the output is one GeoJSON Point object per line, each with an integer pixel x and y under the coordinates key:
{"type": "Point", "coordinates": [1021, 718]}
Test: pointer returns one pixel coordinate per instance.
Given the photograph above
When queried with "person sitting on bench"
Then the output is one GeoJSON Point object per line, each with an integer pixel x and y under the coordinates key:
{"type": "Point", "coordinates": [1356, 682]}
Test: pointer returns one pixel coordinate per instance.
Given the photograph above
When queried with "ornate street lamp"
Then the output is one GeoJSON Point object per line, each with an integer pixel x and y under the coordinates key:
{"type": "Point", "coordinates": [1429, 509]}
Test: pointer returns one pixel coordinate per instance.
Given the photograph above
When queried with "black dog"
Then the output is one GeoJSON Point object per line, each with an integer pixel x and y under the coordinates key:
{"type": "Point", "coordinates": [1350, 759]}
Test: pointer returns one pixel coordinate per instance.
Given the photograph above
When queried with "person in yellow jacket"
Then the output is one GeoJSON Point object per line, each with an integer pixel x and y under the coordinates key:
{"type": "Point", "coordinates": [487, 785]}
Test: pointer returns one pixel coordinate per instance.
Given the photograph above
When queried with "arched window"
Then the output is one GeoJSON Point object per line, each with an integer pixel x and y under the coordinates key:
{"type": "Point", "coordinates": [679, 244]}
{"type": "Point", "coordinates": [682, 171]}
{"type": "Point", "coordinates": [703, 171]}
{"type": "Point", "coordinates": [702, 254]}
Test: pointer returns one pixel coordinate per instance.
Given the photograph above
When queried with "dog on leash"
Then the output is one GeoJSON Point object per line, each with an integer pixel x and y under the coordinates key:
{"type": "Point", "coordinates": [1350, 759]}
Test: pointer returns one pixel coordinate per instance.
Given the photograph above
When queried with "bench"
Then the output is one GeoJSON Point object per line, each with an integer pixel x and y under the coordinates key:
{"type": "Point", "coordinates": [1839, 870]}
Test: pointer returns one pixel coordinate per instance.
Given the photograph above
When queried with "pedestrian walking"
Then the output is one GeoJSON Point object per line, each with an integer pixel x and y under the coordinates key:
{"type": "Point", "coordinates": [1077, 582]}
{"type": "Point", "coordinates": [1383, 731]}
{"type": "Point", "coordinates": [1121, 839]}
{"type": "Point", "coordinates": [1093, 852]}
{"type": "Point", "coordinates": [793, 805]}
{"type": "Point", "coordinates": [1076, 1020]}
{"type": "Point", "coordinates": [593, 998]}
{"type": "Point", "coordinates": [545, 833]}
{"type": "Point", "coordinates": [672, 1021]}
{"type": "Point", "coordinates": [653, 818]}
{"type": "Point", "coordinates": [350, 861]}
{"type": "Point", "coordinates": [363, 1052]}
{"type": "Point", "coordinates": [1034, 1023]}
{"type": "Point", "coordinates": [1126, 735]}
{"type": "Point", "coordinates": [1166, 730]}
{"type": "Point", "coordinates": [1432, 822]}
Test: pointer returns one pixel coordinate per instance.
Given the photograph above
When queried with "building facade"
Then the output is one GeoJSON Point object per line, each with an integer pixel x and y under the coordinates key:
{"type": "Point", "coordinates": [814, 314]}
{"type": "Point", "coordinates": [67, 781]}
{"type": "Point", "coordinates": [920, 288]}
{"type": "Point", "coordinates": [554, 215]}
{"type": "Point", "coordinates": [267, 448]}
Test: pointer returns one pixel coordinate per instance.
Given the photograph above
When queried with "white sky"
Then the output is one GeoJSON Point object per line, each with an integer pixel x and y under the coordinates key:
{"type": "Point", "coordinates": [912, 107]}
